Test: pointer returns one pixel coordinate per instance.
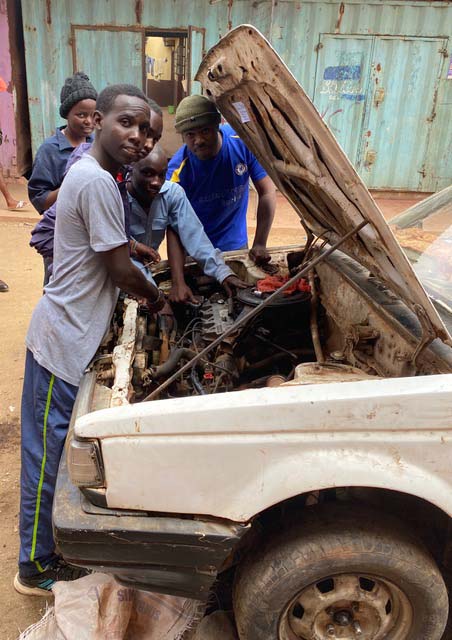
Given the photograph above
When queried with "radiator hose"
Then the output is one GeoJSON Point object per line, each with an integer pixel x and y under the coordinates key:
{"type": "Point", "coordinates": [170, 365]}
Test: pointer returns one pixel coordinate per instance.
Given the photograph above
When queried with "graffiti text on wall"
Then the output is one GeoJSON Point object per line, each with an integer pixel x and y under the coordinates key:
{"type": "Point", "coordinates": [343, 81]}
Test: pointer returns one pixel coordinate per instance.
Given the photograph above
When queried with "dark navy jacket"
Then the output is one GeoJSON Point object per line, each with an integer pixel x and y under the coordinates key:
{"type": "Point", "coordinates": [49, 168]}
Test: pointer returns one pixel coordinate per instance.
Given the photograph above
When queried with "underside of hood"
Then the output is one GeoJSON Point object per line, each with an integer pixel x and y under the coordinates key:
{"type": "Point", "coordinates": [260, 98]}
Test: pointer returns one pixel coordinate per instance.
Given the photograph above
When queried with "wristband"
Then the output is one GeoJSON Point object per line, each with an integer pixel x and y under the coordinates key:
{"type": "Point", "coordinates": [159, 297]}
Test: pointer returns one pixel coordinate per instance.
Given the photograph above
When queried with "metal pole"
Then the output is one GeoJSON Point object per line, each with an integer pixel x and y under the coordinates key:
{"type": "Point", "coordinates": [255, 311]}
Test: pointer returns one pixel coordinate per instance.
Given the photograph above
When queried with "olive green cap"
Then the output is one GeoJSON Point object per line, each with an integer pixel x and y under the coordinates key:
{"type": "Point", "coordinates": [194, 112]}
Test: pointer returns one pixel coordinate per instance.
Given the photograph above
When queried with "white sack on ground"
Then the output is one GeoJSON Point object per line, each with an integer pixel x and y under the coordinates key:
{"type": "Point", "coordinates": [96, 607]}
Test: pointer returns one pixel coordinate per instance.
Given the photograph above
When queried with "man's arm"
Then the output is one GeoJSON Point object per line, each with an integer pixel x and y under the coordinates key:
{"type": "Point", "coordinates": [266, 193]}
{"type": "Point", "coordinates": [51, 198]}
{"type": "Point", "coordinates": [186, 233]}
{"type": "Point", "coordinates": [45, 178]}
{"type": "Point", "coordinates": [142, 252]}
{"type": "Point", "coordinates": [101, 209]}
{"type": "Point", "coordinates": [180, 291]}
{"type": "Point", "coordinates": [186, 224]}
{"type": "Point", "coordinates": [126, 276]}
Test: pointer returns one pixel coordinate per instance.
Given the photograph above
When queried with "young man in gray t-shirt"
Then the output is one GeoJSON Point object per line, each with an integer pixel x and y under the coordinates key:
{"type": "Point", "coordinates": [91, 265]}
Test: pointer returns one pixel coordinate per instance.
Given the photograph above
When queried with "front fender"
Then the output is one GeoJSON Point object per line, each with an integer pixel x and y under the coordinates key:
{"type": "Point", "coordinates": [233, 455]}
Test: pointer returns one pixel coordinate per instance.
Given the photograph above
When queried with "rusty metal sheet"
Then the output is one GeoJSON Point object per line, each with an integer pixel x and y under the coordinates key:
{"type": "Point", "coordinates": [297, 30]}
{"type": "Point", "coordinates": [122, 43]}
{"type": "Point", "coordinates": [123, 355]}
{"type": "Point", "coordinates": [7, 125]}
{"type": "Point", "coordinates": [261, 99]}
{"type": "Point", "coordinates": [321, 373]}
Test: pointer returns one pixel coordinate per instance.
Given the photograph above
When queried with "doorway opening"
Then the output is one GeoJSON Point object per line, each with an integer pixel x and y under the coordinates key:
{"type": "Point", "coordinates": [167, 77]}
{"type": "Point", "coordinates": [166, 67]}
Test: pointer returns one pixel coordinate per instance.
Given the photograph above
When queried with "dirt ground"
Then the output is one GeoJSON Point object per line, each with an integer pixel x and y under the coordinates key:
{"type": "Point", "coordinates": [21, 268]}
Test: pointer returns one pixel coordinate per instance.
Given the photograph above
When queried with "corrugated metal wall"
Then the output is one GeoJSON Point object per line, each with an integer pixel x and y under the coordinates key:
{"type": "Point", "coordinates": [409, 121]}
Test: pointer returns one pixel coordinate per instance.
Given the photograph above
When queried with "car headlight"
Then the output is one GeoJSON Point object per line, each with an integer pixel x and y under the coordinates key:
{"type": "Point", "coordinates": [85, 463]}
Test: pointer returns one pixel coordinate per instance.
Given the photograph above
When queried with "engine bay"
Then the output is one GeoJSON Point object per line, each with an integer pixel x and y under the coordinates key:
{"type": "Point", "coordinates": [322, 329]}
{"type": "Point", "coordinates": [263, 352]}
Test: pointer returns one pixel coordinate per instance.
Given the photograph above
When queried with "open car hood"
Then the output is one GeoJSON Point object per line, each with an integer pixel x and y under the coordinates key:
{"type": "Point", "coordinates": [263, 102]}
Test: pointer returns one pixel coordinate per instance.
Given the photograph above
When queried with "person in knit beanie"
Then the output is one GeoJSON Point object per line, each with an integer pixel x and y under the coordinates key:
{"type": "Point", "coordinates": [77, 105]}
{"type": "Point", "coordinates": [214, 168]}
{"type": "Point", "coordinates": [75, 89]}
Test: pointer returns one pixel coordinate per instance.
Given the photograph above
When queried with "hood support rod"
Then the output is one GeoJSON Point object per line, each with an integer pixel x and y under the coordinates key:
{"type": "Point", "coordinates": [256, 310]}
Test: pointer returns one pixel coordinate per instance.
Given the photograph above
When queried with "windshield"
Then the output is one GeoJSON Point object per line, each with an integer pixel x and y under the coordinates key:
{"type": "Point", "coordinates": [425, 234]}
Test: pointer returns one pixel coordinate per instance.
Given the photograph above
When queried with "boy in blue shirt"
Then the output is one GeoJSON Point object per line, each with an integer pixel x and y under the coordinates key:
{"type": "Point", "coordinates": [78, 102]}
{"type": "Point", "coordinates": [214, 167]}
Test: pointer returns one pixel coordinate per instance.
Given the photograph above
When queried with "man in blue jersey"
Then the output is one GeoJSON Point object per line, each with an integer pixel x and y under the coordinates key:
{"type": "Point", "coordinates": [214, 167]}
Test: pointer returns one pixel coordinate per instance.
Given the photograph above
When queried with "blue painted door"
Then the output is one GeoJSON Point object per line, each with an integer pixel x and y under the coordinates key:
{"type": "Point", "coordinates": [377, 94]}
{"type": "Point", "coordinates": [109, 56]}
{"type": "Point", "coordinates": [405, 74]}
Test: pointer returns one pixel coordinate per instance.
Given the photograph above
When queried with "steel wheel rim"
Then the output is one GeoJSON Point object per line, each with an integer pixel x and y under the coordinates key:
{"type": "Point", "coordinates": [348, 606]}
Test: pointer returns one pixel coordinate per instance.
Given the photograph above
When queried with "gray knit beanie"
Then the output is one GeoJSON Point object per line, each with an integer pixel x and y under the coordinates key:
{"type": "Point", "coordinates": [76, 88]}
{"type": "Point", "coordinates": [194, 112]}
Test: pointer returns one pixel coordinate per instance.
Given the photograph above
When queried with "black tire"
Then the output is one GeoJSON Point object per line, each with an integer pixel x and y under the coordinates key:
{"type": "Point", "coordinates": [334, 548]}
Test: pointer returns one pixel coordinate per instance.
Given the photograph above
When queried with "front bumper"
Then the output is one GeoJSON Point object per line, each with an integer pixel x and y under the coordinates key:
{"type": "Point", "coordinates": [166, 554]}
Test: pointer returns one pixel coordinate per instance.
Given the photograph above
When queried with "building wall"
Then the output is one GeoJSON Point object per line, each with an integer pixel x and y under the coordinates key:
{"type": "Point", "coordinates": [155, 48]}
{"type": "Point", "coordinates": [294, 28]}
{"type": "Point", "coordinates": [7, 125]}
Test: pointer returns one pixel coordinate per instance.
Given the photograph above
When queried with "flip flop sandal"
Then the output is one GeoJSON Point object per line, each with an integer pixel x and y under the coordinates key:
{"type": "Point", "coordinates": [20, 205]}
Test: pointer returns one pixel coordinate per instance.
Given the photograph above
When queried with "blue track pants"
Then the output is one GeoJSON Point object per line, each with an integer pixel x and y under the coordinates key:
{"type": "Point", "coordinates": [47, 403]}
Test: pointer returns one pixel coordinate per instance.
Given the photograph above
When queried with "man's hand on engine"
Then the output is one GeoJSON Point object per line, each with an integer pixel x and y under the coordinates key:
{"type": "Point", "coordinates": [259, 255]}
{"type": "Point", "coordinates": [146, 254]}
{"type": "Point", "coordinates": [231, 283]}
{"type": "Point", "coordinates": [156, 304]}
{"type": "Point", "coordinates": [182, 293]}
{"type": "Point", "coordinates": [153, 304]}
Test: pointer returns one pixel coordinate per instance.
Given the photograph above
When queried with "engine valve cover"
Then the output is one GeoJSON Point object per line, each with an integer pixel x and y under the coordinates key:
{"type": "Point", "coordinates": [215, 318]}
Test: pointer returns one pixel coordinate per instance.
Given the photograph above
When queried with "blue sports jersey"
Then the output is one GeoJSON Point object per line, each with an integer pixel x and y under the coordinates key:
{"type": "Point", "coordinates": [218, 188]}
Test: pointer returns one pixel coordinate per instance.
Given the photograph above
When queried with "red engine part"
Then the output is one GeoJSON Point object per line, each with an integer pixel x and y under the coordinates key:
{"type": "Point", "coordinates": [271, 283]}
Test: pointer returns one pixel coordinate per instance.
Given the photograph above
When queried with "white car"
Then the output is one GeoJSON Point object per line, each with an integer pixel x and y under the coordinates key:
{"type": "Point", "coordinates": [296, 445]}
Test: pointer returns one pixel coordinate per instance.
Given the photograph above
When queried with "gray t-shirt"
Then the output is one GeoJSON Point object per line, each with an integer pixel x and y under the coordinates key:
{"type": "Point", "coordinates": [70, 320]}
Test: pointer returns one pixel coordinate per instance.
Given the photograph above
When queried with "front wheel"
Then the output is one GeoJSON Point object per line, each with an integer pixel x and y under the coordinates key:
{"type": "Point", "coordinates": [343, 573]}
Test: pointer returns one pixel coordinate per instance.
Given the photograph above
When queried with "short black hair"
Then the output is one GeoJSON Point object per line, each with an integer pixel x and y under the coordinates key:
{"type": "Point", "coordinates": [155, 107]}
{"type": "Point", "coordinates": [159, 152]}
{"type": "Point", "coordinates": [107, 96]}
